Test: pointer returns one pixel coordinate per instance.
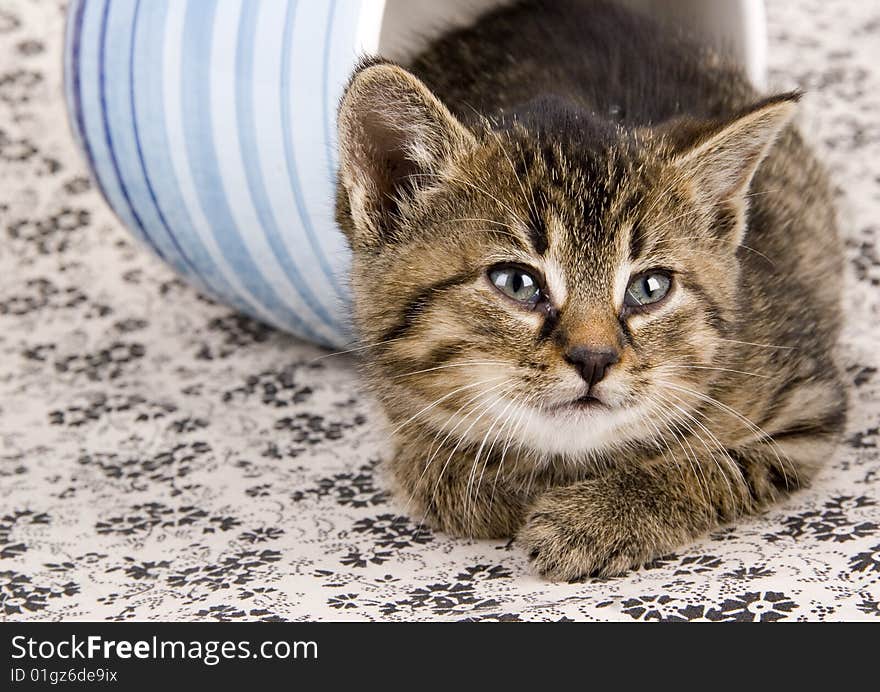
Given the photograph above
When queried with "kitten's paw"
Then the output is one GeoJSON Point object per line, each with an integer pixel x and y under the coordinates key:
{"type": "Point", "coordinates": [496, 517]}
{"type": "Point", "coordinates": [572, 533]}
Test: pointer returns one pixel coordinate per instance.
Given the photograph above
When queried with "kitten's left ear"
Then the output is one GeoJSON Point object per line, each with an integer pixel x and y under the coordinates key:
{"type": "Point", "coordinates": [394, 137]}
{"type": "Point", "coordinates": [721, 159]}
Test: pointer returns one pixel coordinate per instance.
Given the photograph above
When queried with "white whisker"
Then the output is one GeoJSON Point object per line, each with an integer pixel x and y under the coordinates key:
{"type": "Point", "coordinates": [354, 350]}
{"type": "Point", "coordinates": [442, 399]}
{"type": "Point", "coordinates": [451, 365]}
{"type": "Point", "coordinates": [684, 366]}
{"type": "Point", "coordinates": [750, 343]}
{"type": "Point", "coordinates": [762, 435]}
{"type": "Point", "coordinates": [432, 452]}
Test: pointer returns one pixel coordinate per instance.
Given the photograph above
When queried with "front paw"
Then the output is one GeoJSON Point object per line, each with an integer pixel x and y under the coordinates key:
{"type": "Point", "coordinates": [573, 532]}
{"type": "Point", "coordinates": [495, 515]}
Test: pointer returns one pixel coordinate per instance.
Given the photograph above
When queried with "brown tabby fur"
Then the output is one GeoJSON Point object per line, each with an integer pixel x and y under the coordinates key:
{"type": "Point", "coordinates": [585, 143]}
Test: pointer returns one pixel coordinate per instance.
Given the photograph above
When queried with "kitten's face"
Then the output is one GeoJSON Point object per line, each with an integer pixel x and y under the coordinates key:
{"type": "Point", "coordinates": [556, 291]}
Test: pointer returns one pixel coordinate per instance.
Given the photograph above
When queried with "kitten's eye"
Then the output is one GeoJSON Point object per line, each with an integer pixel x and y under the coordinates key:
{"type": "Point", "coordinates": [645, 289]}
{"type": "Point", "coordinates": [516, 283]}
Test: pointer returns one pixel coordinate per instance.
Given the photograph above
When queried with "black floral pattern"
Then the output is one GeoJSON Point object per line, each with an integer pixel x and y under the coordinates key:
{"type": "Point", "coordinates": [392, 531]}
{"type": "Point", "coordinates": [236, 332]}
{"type": "Point", "coordinates": [162, 457]}
{"type": "Point", "coordinates": [868, 561]}
{"type": "Point", "coordinates": [349, 489]}
{"type": "Point", "coordinates": [447, 598]}
{"type": "Point", "coordinates": [8, 523]}
{"type": "Point", "coordinates": [763, 606]}
{"type": "Point", "coordinates": [279, 389]}
{"type": "Point", "coordinates": [19, 595]}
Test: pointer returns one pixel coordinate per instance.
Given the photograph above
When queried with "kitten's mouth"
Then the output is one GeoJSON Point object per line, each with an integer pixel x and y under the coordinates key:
{"type": "Point", "coordinates": [587, 402]}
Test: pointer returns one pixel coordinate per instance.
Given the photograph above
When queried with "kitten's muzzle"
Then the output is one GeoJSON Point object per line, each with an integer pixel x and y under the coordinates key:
{"type": "Point", "coordinates": [592, 363]}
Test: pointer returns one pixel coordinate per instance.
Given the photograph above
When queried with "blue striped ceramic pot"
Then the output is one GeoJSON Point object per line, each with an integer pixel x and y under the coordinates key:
{"type": "Point", "coordinates": [209, 126]}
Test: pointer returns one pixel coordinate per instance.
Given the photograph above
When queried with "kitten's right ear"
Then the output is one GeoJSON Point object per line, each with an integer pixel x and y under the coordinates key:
{"type": "Point", "coordinates": [394, 134]}
{"type": "Point", "coordinates": [721, 158]}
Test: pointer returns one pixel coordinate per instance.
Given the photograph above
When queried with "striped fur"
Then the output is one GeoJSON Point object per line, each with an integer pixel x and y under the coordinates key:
{"type": "Point", "coordinates": [608, 151]}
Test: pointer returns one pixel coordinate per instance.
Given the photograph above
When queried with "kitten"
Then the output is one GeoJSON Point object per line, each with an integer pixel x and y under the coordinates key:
{"type": "Point", "coordinates": [597, 280]}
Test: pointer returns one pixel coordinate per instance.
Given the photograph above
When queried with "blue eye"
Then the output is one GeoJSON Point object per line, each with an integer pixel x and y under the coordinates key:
{"type": "Point", "coordinates": [516, 284]}
{"type": "Point", "coordinates": [647, 288]}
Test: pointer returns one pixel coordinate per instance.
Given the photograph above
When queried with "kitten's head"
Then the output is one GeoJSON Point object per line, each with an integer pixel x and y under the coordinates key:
{"type": "Point", "coordinates": [554, 280]}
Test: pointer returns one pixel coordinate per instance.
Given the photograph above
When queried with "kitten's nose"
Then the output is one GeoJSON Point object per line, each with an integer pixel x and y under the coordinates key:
{"type": "Point", "coordinates": [592, 363]}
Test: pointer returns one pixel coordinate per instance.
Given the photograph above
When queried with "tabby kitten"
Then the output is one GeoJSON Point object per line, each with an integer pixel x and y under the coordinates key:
{"type": "Point", "coordinates": [597, 280]}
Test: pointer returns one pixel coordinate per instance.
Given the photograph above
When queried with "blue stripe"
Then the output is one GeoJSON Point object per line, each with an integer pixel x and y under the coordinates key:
{"type": "Point", "coordinates": [153, 147]}
{"type": "Point", "coordinates": [325, 88]}
{"type": "Point", "coordinates": [291, 160]}
{"type": "Point", "coordinates": [343, 57]}
{"type": "Point", "coordinates": [87, 70]}
{"type": "Point", "coordinates": [118, 67]}
{"type": "Point", "coordinates": [253, 171]}
{"type": "Point", "coordinates": [192, 271]}
{"type": "Point", "coordinates": [109, 137]}
{"type": "Point", "coordinates": [78, 112]}
{"type": "Point", "coordinates": [198, 24]}
{"type": "Point", "coordinates": [342, 32]}
{"type": "Point", "coordinates": [69, 95]}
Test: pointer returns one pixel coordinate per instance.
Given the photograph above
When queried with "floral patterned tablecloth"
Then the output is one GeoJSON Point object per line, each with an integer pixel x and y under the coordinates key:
{"type": "Point", "coordinates": [164, 458]}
